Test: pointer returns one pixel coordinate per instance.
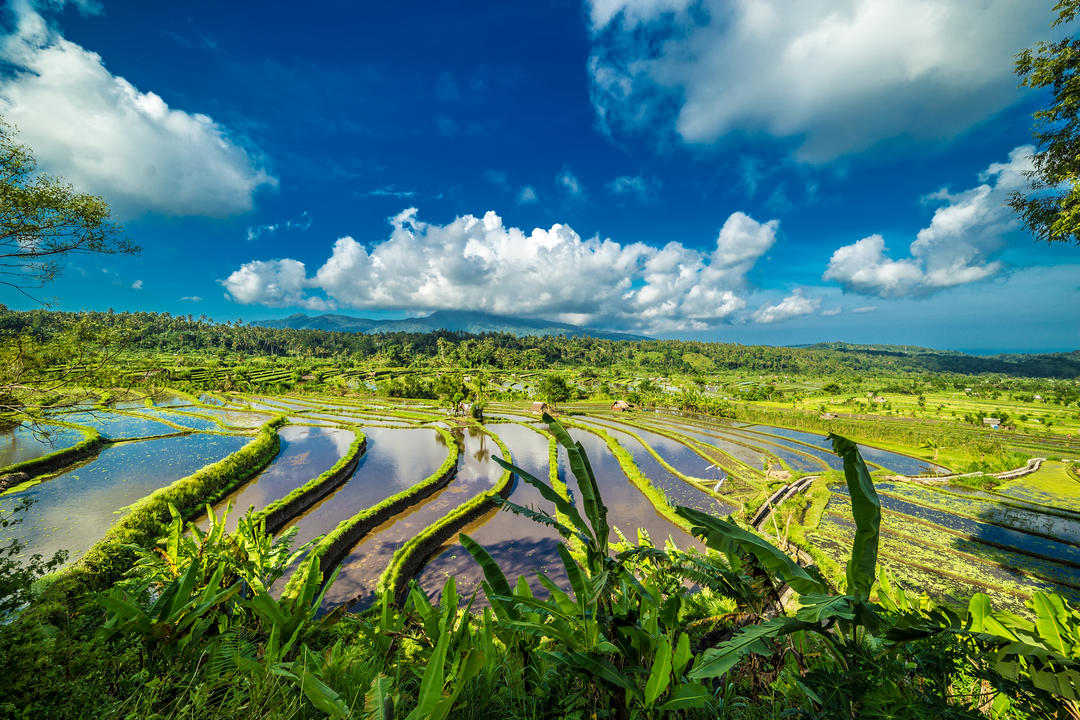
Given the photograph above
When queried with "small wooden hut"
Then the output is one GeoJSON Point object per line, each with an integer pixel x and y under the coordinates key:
{"type": "Point", "coordinates": [620, 406]}
{"type": "Point", "coordinates": [539, 407]}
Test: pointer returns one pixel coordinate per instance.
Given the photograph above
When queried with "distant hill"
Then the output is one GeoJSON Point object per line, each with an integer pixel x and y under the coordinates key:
{"type": "Point", "coordinates": [452, 320]}
{"type": "Point", "coordinates": [1059, 364]}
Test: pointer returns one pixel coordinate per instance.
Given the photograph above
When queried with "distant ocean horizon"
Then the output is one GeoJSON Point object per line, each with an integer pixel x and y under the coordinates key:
{"type": "Point", "coordinates": [1012, 351]}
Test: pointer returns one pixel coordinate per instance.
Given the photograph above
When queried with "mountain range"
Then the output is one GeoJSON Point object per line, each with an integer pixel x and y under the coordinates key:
{"type": "Point", "coordinates": [452, 320]}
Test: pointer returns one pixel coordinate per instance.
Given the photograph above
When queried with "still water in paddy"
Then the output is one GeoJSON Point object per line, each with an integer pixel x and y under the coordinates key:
{"type": "Point", "coordinates": [361, 569]}
{"type": "Point", "coordinates": [395, 459]}
{"type": "Point", "coordinates": [306, 452]}
{"type": "Point", "coordinates": [22, 442]}
{"type": "Point", "coordinates": [744, 454]}
{"type": "Point", "coordinates": [73, 510]}
{"type": "Point", "coordinates": [192, 421]}
{"type": "Point", "coordinates": [896, 462]}
{"type": "Point", "coordinates": [116, 426]}
{"type": "Point", "coordinates": [235, 417]}
{"type": "Point", "coordinates": [677, 490]}
{"type": "Point", "coordinates": [519, 545]}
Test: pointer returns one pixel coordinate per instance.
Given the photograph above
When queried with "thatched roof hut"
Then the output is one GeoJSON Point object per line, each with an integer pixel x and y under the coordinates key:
{"type": "Point", "coordinates": [540, 408]}
{"type": "Point", "coordinates": [621, 406]}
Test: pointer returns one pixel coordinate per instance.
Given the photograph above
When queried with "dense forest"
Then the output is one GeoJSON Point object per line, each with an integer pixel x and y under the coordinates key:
{"type": "Point", "coordinates": [176, 334]}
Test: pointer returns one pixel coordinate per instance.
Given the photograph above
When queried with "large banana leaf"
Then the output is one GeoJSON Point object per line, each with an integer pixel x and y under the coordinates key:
{"type": "Point", "coordinates": [866, 510]}
{"type": "Point", "coordinates": [595, 509]}
{"type": "Point", "coordinates": [496, 583]}
{"type": "Point", "coordinates": [560, 503]}
{"type": "Point", "coordinates": [660, 675]}
{"type": "Point", "coordinates": [721, 534]}
{"type": "Point", "coordinates": [716, 661]}
{"type": "Point", "coordinates": [542, 517]}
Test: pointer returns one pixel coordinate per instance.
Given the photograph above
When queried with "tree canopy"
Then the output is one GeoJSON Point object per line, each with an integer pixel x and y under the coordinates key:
{"type": "Point", "coordinates": [554, 389]}
{"type": "Point", "coordinates": [43, 219]}
{"type": "Point", "coordinates": [1051, 207]}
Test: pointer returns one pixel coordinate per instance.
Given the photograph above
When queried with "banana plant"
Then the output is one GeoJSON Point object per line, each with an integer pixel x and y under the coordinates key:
{"type": "Point", "coordinates": [286, 620]}
{"type": "Point", "coordinates": [454, 653]}
{"type": "Point", "coordinates": [248, 553]}
{"type": "Point", "coordinates": [178, 619]}
{"type": "Point", "coordinates": [613, 628]}
{"type": "Point", "coordinates": [204, 584]}
{"type": "Point", "coordinates": [457, 655]}
{"type": "Point", "coordinates": [1037, 661]}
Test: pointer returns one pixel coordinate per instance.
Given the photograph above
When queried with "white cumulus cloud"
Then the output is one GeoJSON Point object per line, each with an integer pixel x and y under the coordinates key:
{"type": "Point", "coordinates": [104, 135]}
{"type": "Point", "coordinates": [792, 306]}
{"type": "Point", "coordinates": [276, 283]}
{"type": "Point", "coordinates": [833, 76]}
{"type": "Point", "coordinates": [479, 263]}
{"type": "Point", "coordinates": [956, 248]}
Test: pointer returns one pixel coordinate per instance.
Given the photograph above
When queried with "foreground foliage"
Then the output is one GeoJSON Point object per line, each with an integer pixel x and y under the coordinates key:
{"type": "Point", "coordinates": [196, 630]}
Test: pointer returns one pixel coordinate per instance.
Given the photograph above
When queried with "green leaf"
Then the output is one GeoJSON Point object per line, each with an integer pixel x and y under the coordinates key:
{"type": "Point", "coordinates": [470, 668]}
{"type": "Point", "coordinates": [561, 504]}
{"type": "Point", "coordinates": [718, 660]}
{"type": "Point", "coordinates": [660, 675]}
{"type": "Point", "coordinates": [448, 605]}
{"type": "Point", "coordinates": [983, 618]}
{"type": "Point", "coordinates": [558, 597]}
{"type": "Point", "coordinates": [573, 572]}
{"type": "Point", "coordinates": [1050, 629]}
{"type": "Point", "coordinates": [548, 630]}
{"type": "Point", "coordinates": [431, 685]}
{"type": "Point", "coordinates": [816, 608]}
{"type": "Point", "coordinates": [686, 697]}
{"type": "Point", "coordinates": [682, 654]}
{"type": "Point", "coordinates": [718, 534]}
{"type": "Point", "coordinates": [866, 510]}
{"type": "Point", "coordinates": [379, 704]}
{"type": "Point", "coordinates": [322, 696]}
{"type": "Point", "coordinates": [492, 572]}
{"type": "Point", "coordinates": [595, 509]}
{"type": "Point", "coordinates": [542, 517]}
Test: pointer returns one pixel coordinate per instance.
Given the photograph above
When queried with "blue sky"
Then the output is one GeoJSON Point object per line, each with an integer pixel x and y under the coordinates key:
{"type": "Point", "coordinates": [722, 169]}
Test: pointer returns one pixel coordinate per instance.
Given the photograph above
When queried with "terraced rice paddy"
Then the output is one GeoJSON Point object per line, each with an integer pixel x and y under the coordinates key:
{"type": "Point", "coordinates": [24, 442]}
{"type": "Point", "coordinates": [361, 569]}
{"type": "Point", "coordinates": [73, 509]}
{"type": "Point", "coordinates": [519, 546]}
{"type": "Point", "coordinates": [1051, 487]}
{"type": "Point", "coordinates": [305, 452]}
{"type": "Point", "coordinates": [395, 459]}
{"type": "Point", "coordinates": [981, 545]}
{"type": "Point", "coordinates": [117, 426]}
{"type": "Point", "coordinates": [949, 541]}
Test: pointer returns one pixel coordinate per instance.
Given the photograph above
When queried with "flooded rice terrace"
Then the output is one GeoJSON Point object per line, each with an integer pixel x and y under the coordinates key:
{"type": "Point", "coordinates": [520, 546]}
{"type": "Point", "coordinates": [361, 569]}
{"type": "Point", "coordinates": [73, 509]}
{"type": "Point", "coordinates": [26, 442]}
{"type": "Point", "coordinates": [305, 452]}
{"type": "Point", "coordinates": [947, 540]}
